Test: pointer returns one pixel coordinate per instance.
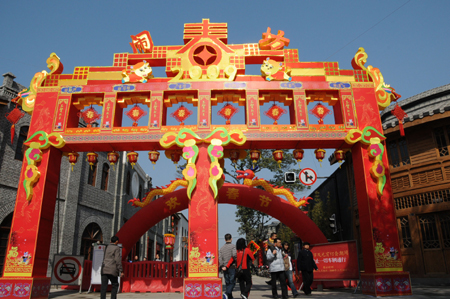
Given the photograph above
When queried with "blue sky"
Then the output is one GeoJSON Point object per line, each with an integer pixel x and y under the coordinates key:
{"type": "Point", "coordinates": [407, 40]}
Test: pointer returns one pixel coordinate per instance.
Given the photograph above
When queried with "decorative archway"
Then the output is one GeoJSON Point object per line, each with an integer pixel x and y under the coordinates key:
{"type": "Point", "coordinates": [233, 194]}
{"type": "Point", "coordinates": [56, 101]}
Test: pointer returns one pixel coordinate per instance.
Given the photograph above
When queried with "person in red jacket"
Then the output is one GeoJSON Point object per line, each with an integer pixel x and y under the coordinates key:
{"type": "Point", "coordinates": [244, 258]}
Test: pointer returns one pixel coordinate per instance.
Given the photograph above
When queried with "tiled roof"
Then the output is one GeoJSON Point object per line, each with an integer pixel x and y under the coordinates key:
{"type": "Point", "coordinates": [430, 102]}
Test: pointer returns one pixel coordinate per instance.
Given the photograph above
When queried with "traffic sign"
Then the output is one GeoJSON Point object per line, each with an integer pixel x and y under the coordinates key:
{"type": "Point", "coordinates": [307, 176]}
{"type": "Point", "coordinates": [67, 270]}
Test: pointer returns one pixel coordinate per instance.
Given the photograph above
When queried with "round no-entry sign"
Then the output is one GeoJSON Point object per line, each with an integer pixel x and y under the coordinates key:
{"type": "Point", "coordinates": [307, 176]}
{"type": "Point", "coordinates": [67, 269]}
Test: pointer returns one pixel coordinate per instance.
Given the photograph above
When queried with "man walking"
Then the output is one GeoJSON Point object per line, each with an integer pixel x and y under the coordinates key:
{"type": "Point", "coordinates": [271, 247]}
{"type": "Point", "coordinates": [228, 251]}
{"type": "Point", "coordinates": [306, 264]}
{"type": "Point", "coordinates": [276, 269]}
{"type": "Point", "coordinates": [111, 268]}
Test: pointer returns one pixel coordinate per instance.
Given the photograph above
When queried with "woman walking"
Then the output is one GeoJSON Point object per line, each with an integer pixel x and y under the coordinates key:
{"type": "Point", "coordinates": [244, 260]}
{"type": "Point", "coordinates": [288, 272]}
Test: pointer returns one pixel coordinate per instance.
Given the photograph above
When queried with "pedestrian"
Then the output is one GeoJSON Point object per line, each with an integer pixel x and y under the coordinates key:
{"type": "Point", "coordinates": [244, 260]}
{"type": "Point", "coordinates": [136, 259]}
{"type": "Point", "coordinates": [157, 259]}
{"type": "Point", "coordinates": [276, 269]}
{"type": "Point", "coordinates": [226, 252]}
{"type": "Point", "coordinates": [306, 264]}
{"type": "Point", "coordinates": [288, 268]}
{"type": "Point", "coordinates": [271, 247]}
{"type": "Point", "coordinates": [145, 259]}
{"type": "Point", "coordinates": [111, 268]}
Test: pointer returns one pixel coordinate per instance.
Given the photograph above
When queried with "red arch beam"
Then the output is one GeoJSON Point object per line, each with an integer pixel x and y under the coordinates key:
{"type": "Point", "coordinates": [233, 194]}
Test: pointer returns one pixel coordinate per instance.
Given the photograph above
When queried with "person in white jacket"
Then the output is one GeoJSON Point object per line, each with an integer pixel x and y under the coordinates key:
{"type": "Point", "coordinates": [276, 269]}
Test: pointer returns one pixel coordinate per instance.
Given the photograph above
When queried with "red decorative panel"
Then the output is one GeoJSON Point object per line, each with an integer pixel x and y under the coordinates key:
{"type": "Point", "coordinates": [60, 117]}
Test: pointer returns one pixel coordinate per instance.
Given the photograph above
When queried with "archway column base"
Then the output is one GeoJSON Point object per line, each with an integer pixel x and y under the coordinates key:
{"type": "Point", "coordinates": [24, 287]}
{"type": "Point", "coordinates": [386, 284]}
{"type": "Point", "coordinates": [202, 287]}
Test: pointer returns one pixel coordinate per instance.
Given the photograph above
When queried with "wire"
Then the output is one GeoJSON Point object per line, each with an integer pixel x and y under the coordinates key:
{"type": "Point", "coordinates": [367, 30]}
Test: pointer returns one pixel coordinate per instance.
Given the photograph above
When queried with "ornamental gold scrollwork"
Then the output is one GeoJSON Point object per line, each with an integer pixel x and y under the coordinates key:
{"type": "Point", "coordinates": [370, 137]}
{"type": "Point", "coordinates": [37, 142]}
{"type": "Point", "coordinates": [384, 93]}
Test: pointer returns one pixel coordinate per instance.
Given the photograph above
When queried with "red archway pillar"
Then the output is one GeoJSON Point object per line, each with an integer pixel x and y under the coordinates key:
{"type": "Point", "coordinates": [25, 269]}
{"type": "Point", "coordinates": [203, 235]}
{"type": "Point", "coordinates": [383, 273]}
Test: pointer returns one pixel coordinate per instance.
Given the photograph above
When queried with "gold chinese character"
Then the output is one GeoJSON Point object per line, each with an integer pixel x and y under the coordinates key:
{"type": "Point", "coordinates": [233, 193]}
{"type": "Point", "coordinates": [275, 112]}
{"type": "Point", "coordinates": [135, 113]}
{"type": "Point", "coordinates": [264, 200]}
{"type": "Point", "coordinates": [172, 203]}
{"type": "Point", "coordinates": [181, 113]}
{"type": "Point", "coordinates": [90, 114]}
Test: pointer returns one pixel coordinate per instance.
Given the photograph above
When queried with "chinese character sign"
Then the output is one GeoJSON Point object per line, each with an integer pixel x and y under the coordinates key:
{"type": "Point", "coordinates": [336, 261]}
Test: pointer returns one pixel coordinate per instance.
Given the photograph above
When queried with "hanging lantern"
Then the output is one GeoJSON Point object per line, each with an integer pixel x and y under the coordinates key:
{"type": "Point", "coordinates": [227, 112]}
{"type": "Point", "coordinates": [275, 112]}
{"type": "Point", "coordinates": [320, 155]}
{"type": "Point", "coordinates": [255, 155]}
{"type": "Point", "coordinates": [73, 158]}
{"type": "Point", "coordinates": [181, 114]}
{"type": "Point", "coordinates": [132, 158]}
{"type": "Point", "coordinates": [135, 114]}
{"type": "Point", "coordinates": [113, 157]}
{"type": "Point", "coordinates": [278, 156]}
{"type": "Point", "coordinates": [339, 155]}
{"type": "Point", "coordinates": [154, 157]}
{"type": "Point", "coordinates": [298, 155]}
{"type": "Point", "coordinates": [92, 158]}
{"type": "Point", "coordinates": [400, 114]}
{"type": "Point", "coordinates": [89, 116]}
{"type": "Point", "coordinates": [320, 111]}
{"type": "Point", "coordinates": [13, 117]}
{"type": "Point", "coordinates": [169, 240]}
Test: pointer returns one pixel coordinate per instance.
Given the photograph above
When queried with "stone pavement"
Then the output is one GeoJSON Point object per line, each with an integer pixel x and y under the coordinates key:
{"type": "Point", "coordinates": [260, 291]}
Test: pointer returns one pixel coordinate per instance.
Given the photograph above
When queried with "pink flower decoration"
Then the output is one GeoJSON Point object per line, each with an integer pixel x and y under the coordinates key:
{"type": "Point", "coordinates": [215, 151]}
{"type": "Point", "coordinates": [190, 150]}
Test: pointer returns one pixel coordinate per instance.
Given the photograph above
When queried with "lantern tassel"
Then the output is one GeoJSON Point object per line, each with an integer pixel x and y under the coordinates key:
{"type": "Point", "coordinates": [402, 130]}
{"type": "Point", "coordinates": [72, 167]}
{"type": "Point", "coordinates": [114, 167]}
{"type": "Point", "coordinates": [153, 166]}
{"type": "Point", "coordinates": [12, 133]}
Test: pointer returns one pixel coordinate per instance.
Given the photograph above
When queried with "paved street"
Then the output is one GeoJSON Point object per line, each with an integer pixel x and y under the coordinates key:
{"type": "Point", "coordinates": [261, 290]}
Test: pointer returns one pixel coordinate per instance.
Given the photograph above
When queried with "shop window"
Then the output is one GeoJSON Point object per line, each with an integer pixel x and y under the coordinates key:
{"type": "Point", "coordinates": [92, 234]}
{"type": "Point", "coordinates": [128, 183]}
{"type": "Point", "coordinates": [428, 227]}
{"type": "Point", "coordinates": [92, 174]}
{"type": "Point", "coordinates": [398, 152]}
{"type": "Point", "coordinates": [406, 232]}
{"type": "Point", "coordinates": [23, 133]}
{"type": "Point", "coordinates": [441, 140]}
{"type": "Point", "coordinates": [105, 176]}
{"type": "Point", "coordinates": [444, 218]}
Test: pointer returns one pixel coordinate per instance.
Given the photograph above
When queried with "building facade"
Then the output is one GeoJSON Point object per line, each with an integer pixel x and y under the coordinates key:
{"type": "Point", "coordinates": [92, 202]}
{"type": "Point", "coordinates": [420, 174]}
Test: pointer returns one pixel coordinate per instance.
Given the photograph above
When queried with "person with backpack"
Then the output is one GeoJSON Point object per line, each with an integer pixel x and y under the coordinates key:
{"type": "Point", "coordinates": [228, 251]}
{"type": "Point", "coordinates": [243, 261]}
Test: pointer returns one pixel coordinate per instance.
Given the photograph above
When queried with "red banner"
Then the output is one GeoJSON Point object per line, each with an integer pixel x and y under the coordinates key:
{"type": "Point", "coordinates": [336, 260]}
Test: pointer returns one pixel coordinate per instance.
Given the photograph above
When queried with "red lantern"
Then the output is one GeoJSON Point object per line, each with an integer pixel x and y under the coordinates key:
{"type": "Point", "coordinates": [92, 158]}
{"type": "Point", "coordinates": [339, 155]}
{"type": "Point", "coordinates": [234, 155]}
{"type": "Point", "coordinates": [278, 156]}
{"type": "Point", "coordinates": [320, 155]}
{"type": "Point", "coordinates": [255, 155]}
{"type": "Point", "coordinates": [400, 114]}
{"type": "Point", "coordinates": [154, 157]}
{"type": "Point", "coordinates": [73, 158]}
{"type": "Point", "coordinates": [175, 156]}
{"type": "Point", "coordinates": [298, 155]}
{"type": "Point", "coordinates": [169, 240]}
{"type": "Point", "coordinates": [113, 157]}
{"type": "Point", "coordinates": [132, 158]}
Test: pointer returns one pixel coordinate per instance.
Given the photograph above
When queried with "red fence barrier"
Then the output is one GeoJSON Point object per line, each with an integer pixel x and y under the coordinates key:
{"type": "Point", "coordinates": [154, 277]}
{"type": "Point", "coordinates": [143, 277]}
